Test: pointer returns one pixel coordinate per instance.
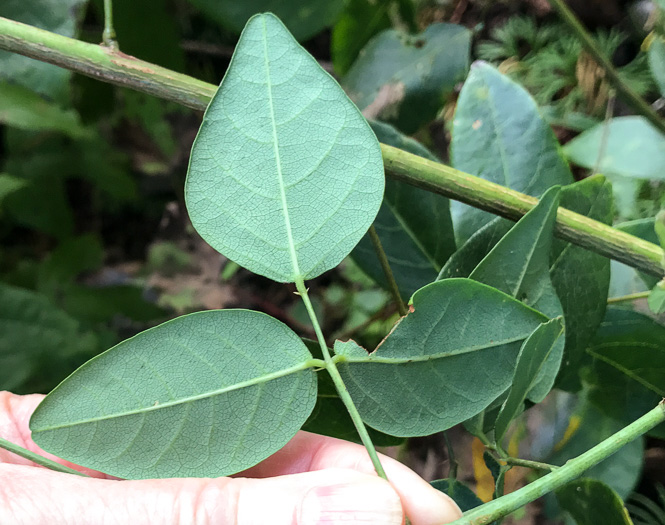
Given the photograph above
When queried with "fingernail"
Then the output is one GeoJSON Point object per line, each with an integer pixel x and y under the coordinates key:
{"type": "Point", "coordinates": [370, 502]}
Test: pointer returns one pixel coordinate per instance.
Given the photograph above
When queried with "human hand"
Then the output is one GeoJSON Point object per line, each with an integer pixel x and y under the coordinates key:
{"type": "Point", "coordinates": [312, 480]}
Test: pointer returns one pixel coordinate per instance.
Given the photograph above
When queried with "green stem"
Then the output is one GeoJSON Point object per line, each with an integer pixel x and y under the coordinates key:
{"type": "Point", "coordinates": [557, 478]}
{"type": "Point", "coordinates": [36, 458]}
{"type": "Point", "coordinates": [102, 63]}
{"type": "Point", "coordinates": [385, 266]}
{"type": "Point", "coordinates": [339, 382]}
{"type": "Point", "coordinates": [629, 297]}
{"type": "Point", "coordinates": [108, 36]}
{"type": "Point", "coordinates": [452, 461]}
{"type": "Point", "coordinates": [631, 98]}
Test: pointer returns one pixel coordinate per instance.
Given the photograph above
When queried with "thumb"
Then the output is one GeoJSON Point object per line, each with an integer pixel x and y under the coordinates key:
{"type": "Point", "coordinates": [330, 496]}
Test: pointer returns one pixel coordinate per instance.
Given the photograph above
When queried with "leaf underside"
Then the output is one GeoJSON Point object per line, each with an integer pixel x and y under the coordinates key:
{"type": "Point", "coordinates": [443, 363]}
{"type": "Point", "coordinates": [205, 395]}
{"type": "Point", "coordinates": [285, 175]}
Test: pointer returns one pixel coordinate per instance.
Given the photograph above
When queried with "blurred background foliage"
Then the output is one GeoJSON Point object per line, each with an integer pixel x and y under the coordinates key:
{"type": "Point", "coordinates": [96, 245]}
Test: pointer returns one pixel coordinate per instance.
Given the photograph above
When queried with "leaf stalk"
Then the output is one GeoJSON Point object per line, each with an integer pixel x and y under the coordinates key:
{"type": "Point", "coordinates": [36, 458]}
{"type": "Point", "coordinates": [339, 382]}
{"type": "Point", "coordinates": [574, 468]}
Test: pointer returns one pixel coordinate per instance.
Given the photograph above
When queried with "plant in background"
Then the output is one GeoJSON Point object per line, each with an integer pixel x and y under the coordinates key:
{"type": "Point", "coordinates": [285, 178]}
{"type": "Point", "coordinates": [552, 64]}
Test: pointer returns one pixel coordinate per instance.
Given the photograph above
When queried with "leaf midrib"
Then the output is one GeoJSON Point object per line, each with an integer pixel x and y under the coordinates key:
{"type": "Point", "coordinates": [278, 162]}
{"type": "Point", "coordinates": [342, 359]}
{"type": "Point", "coordinates": [310, 363]}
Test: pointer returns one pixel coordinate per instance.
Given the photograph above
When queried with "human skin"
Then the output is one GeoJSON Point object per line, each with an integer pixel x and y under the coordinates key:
{"type": "Point", "coordinates": [312, 480]}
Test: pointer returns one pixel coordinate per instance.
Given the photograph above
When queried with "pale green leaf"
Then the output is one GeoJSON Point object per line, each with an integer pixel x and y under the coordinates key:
{"type": "Point", "coordinates": [304, 19]}
{"type": "Point", "coordinates": [444, 362]}
{"type": "Point", "coordinates": [498, 134]}
{"type": "Point", "coordinates": [631, 148]}
{"type": "Point", "coordinates": [285, 175]}
{"type": "Point", "coordinates": [405, 79]}
{"type": "Point", "coordinates": [656, 55]}
{"type": "Point", "coordinates": [414, 226]}
{"type": "Point", "coordinates": [591, 502]}
{"type": "Point", "coordinates": [656, 299]}
{"type": "Point", "coordinates": [205, 395]}
{"type": "Point", "coordinates": [531, 360]}
{"type": "Point", "coordinates": [9, 184]}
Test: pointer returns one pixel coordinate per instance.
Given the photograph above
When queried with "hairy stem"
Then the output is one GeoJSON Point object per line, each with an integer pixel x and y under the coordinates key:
{"type": "Point", "coordinates": [629, 96]}
{"type": "Point", "coordinates": [385, 266]}
{"type": "Point", "coordinates": [36, 458]}
{"type": "Point", "coordinates": [118, 68]}
{"type": "Point", "coordinates": [557, 478]}
{"type": "Point", "coordinates": [339, 382]}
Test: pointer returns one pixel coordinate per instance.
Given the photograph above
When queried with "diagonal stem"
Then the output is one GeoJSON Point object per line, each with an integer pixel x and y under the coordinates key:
{"type": "Point", "coordinates": [574, 468]}
{"type": "Point", "coordinates": [339, 382]}
{"type": "Point", "coordinates": [36, 458]}
{"type": "Point", "coordinates": [101, 63]}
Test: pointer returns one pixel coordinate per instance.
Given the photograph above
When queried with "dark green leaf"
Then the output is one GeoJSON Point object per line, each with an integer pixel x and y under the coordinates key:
{"type": "Point", "coordinates": [620, 471]}
{"type": "Point", "coordinates": [519, 266]}
{"type": "Point", "coordinates": [633, 148]}
{"type": "Point", "coordinates": [656, 54]}
{"type": "Point", "coordinates": [405, 79]}
{"type": "Point", "coordinates": [574, 269]}
{"type": "Point", "coordinates": [499, 135]}
{"type": "Point", "coordinates": [285, 175]}
{"type": "Point", "coordinates": [414, 226]}
{"type": "Point", "coordinates": [498, 472]}
{"type": "Point", "coordinates": [205, 395]}
{"type": "Point", "coordinates": [530, 361]}
{"type": "Point", "coordinates": [58, 16]}
{"type": "Point", "coordinates": [22, 108]}
{"type": "Point", "coordinates": [443, 363]}
{"type": "Point", "coordinates": [644, 229]}
{"type": "Point", "coordinates": [32, 330]}
{"type": "Point", "coordinates": [620, 392]}
{"type": "Point", "coordinates": [359, 22]}
{"type": "Point", "coordinates": [304, 20]}
{"type": "Point", "coordinates": [591, 502]}
{"type": "Point", "coordinates": [459, 492]}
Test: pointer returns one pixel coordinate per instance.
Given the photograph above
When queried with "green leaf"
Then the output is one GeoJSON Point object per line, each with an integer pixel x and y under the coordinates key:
{"type": "Point", "coordinates": [636, 347]}
{"type": "Point", "coordinates": [644, 229]}
{"type": "Point", "coordinates": [519, 266]}
{"type": "Point", "coordinates": [285, 175]}
{"type": "Point", "coordinates": [57, 16]}
{"type": "Point", "coordinates": [659, 228]}
{"type": "Point", "coordinates": [530, 361]}
{"type": "Point", "coordinates": [499, 135]}
{"type": "Point", "coordinates": [405, 79]}
{"type": "Point", "coordinates": [583, 312]}
{"type": "Point", "coordinates": [590, 502]}
{"type": "Point", "coordinates": [498, 472]}
{"type": "Point", "coordinates": [304, 20]}
{"type": "Point", "coordinates": [465, 498]}
{"type": "Point", "coordinates": [330, 417]}
{"type": "Point", "coordinates": [656, 55]}
{"type": "Point", "coordinates": [358, 23]}
{"type": "Point", "coordinates": [443, 363]}
{"type": "Point", "coordinates": [620, 471]}
{"type": "Point", "coordinates": [414, 226]}
{"type": "Point", "coordinates": [9, 184]}
{"type": "Point", "coordinates": [633, 148]}
{"type": "Point", "coordinates": [616, 383]}
{"type": "Point", "coordinates": [205, 395]}
{"type": "Point", "coordinates": [32, 330]}
{"type": "Point", "coordinates": [656, 299]}
{"type": "Point", "coordinates": [22, 108]}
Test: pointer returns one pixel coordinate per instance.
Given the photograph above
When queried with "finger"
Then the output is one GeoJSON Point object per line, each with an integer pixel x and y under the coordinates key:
{"type": "Point", "coordinates": [334, 496]}
{"type": "Point", "coordinates": [423, 504]}
{"type": "Point", "coordinates": [15, 412]}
